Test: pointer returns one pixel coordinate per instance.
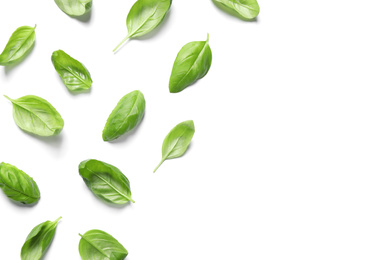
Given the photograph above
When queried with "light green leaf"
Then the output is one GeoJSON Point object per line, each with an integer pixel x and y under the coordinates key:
{"type": "Point", "coordinates": [74, 7]}
{"type": "Point", "coordinates": [247, 9]}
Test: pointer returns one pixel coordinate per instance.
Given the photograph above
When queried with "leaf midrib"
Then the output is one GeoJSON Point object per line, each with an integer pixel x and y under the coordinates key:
{"type": "Point", "coordinates": [11, 188]}
{"type": "Point", "coordinates": [109, 184]}
{"type": "Point", "coordinates": [92, 244]}
{"type": "Point", "coordinates": [74, 74]}
{"type": "Point", "coordinates": [24, 41]}
{"type": "Point", "coordinates": [139, 27]}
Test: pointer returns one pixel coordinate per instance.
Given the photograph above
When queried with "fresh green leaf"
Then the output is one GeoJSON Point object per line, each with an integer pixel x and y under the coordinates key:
{"type": "Point", "coordinates": [18, 46]}
{"type": "Point", "coordinates": [17, 185]}
{"type": "Point", "coordinates": [106, 181]}
{"type": "Point", "coordinates": [74, 7]}
{"type": "Point", "coordinates": [177, 141]}
{"type": "Point", "coordinates": [192, 63]}
{"type": "Point", "coordinates": [37, 116]}
{"type": "Point", "coordinates": [144, 16]}
{"type": "Point", "coordinates": [75, 75]}
{"type": "Point", "coordinates": [126, 115]}
{"type": "Point", "coordinates": [247, 9]}
{"type": "Point", "coordinates": [98, 245]}
{"type": "Point", "coordinates": [39, 240]}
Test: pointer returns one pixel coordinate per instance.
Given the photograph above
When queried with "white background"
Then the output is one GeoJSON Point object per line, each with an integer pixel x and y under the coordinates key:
{"type": "Point", "coordinates": [290, 159]}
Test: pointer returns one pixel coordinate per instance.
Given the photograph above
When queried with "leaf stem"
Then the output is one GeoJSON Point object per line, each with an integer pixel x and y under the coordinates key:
{"type": "Point", "coordinates": [119, 45]}
{"type": "Point", "coordinates": [56, 221]}
{"type": "Point", "coordinates": [163, 159]}
{"type": "Point", "coordinates": [131, 200]}
{"type": "Point", "coordinates": [8, 98]}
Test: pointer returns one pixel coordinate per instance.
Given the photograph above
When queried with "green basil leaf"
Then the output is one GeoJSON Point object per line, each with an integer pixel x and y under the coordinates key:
{"type": "Point", "coordinates": [106, 181]}
{"type": "Point", "coordinates": [39, 240]}
{"type": "Point", "coordinates": [98, 245]}
{"type": "Point", "coordinates": [37, 116]}
{"type": "Point", "coordinates": [74, 7]}
{"type": "Point", "coordinates": [192, 63]}
{"type": "Point", "coordinates": [126, 115]}
{"type": "Point", "coordinates": [17, 185]}
{"type": "Point", "coordinates": [247, 9]}
{"type": "Point", "coordinates": [177, 141]}
{"type": "Point", "coordinates": [75, 75]}
{"type": "Point", "coordinates": [18, 46]}
{"type": "Point", "coordinates": [144, 16]}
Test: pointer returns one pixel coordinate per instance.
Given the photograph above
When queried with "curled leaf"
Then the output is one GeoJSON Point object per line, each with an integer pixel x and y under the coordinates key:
{"type": "Point", "coordinates": [247, 9]}
{"type": "Point", "coordinates": [74, 7]}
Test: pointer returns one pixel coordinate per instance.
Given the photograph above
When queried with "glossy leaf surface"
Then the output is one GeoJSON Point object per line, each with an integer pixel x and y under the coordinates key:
{"type": "Point", "coordinates": [39, 240]}
{"type": "Point", "coordinates": [247, 9]}
{"type": "Point", "coordinates": [144, 16]}
{"type": "Point", "coordinates": [74, 7]}
{"type": "Point", "coordinates": [98, 245]}
{"type": "Point", "coordinates": [177, 141]}
{"type": "Point", "coordinates": [37, 116]}
{"type": "Point", "coordinates": [192, 63]}
{"type": "Point", "coordinates": [18, 46]}
{"type": "Point", "coordinates": [17, 185]}
{"type": "Point", "coordinates": [74, 74]}
{"type": "Point", "coordinates": [106, 181]}
{"type": "Point", "coordinates": [126, 116]}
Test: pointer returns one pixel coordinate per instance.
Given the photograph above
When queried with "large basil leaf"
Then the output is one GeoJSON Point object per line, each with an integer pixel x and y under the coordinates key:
{"type": "Point", "coordinates": [144, 16]}
{"type": "Point", "coordinates": [177, 141]}
{"type": "Point", "coordinates": [247, 9]}
{"type": "Point", "coordinates": [75, 75]}
{"type": "Point", "coordinates": [17, 185]}
{"type": "Point", "coordinates": [39, 240]}
{"type": "Point", "coordinates": [37, 116]}
{"type": "Point", "coordinates": [74, 7]}
{"type": "Point", "coordinates": [106, 181]}
{"type": "Point", "coordinates": [192, 63]}
{"type": "Point", "coordinates": [98, 245]}
{"type": "Point", "coordinates": [18, 46]}
{"type": "Point", "coordinates": [126, 115]}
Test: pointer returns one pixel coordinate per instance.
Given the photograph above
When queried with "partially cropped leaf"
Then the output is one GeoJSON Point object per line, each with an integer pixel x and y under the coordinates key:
{"type": "Point", "coordinates": [37, 116]}
{"type": "Point", "coordinates": [126, 116]}
{"type": "Point", "coordinates": [18, 46]}
{"type": "Point", "coordinates": [177, 141]}
{"type": "Point", "coordinates": [39, 240]}
{"type": "Point", "coordinates": [17, 185]}
{"type": "Point", "coordinates": [98, 245]}
{"type": "Point", "coordinates": [106, 181]}
{"type": "Point", "coordinates": [74, 74]}
{"type": "Point", "coordinates": [74, 7]}
{"type": "Point", "coordinates": [144, 16]}
{"type": "Point", "coordinates": [247, 9]}
{"type": "Point", "coordinates": [192, 63]}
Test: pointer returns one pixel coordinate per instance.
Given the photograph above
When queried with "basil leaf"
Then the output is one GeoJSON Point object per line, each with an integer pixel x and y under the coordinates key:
{"type": "Point", "coordinates": [126, 115]}
{"type": "Point", "coordinates": [75, 76]}
{"type": "Point", "coordinates": [192, 63]}
{"type": "Point", "coordinates": [18, 45]}
{"type": "Point", "coordinates": [74, 7]}
{"type": "Point", "coordinates": [39, 240]}
{"type": "Point", "coordinates": [247, 9]}
{"type": "Point", "coordinates": [106, 181]}
{"type": "Point", "coordinates": [144, 16]}
{"type": "Point", "coordinates": [17, 185]}
{"type": "Point", "coordinates": [177, 141]}
{"type": "Point", "coordinates": [98, 245]}
{"type": "Point", "coordinates": [37, 116]}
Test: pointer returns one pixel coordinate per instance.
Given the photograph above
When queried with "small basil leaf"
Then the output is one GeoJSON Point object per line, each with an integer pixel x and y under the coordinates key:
{"type": "Point", "coordinates": [106, 181]}
{"type": "Point", "coordinates": [177, 141]}
{"type": "Point", "coordinates": [192, 63]}
{"type": "Point", "coordinates": [37, 116]}
{"type": "Point", "coordinates": [247, 9]}
{"type": "Point", "coordinates": [126, 115]}
{"type": "Point", "coordinates": [75, 76]}
{"type": "Point", "coordinates": [18, 45]}
{"type": "Point", "coordinates": [98, 245]}
{"type": "Point", "coordinates": [74, 7]}
{"type": "Point", "coordinates": [17, 185]}
{"type": "Point", "coordinates": [144, 16]}
{"type": "Point", "coordinates": [39, 240]}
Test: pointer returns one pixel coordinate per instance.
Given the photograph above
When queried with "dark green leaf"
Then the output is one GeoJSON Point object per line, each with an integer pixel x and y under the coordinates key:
{"type": "Point", "coordinates": [192, 63]}
{"type": "Point", "coordinates": [126, 115]}
{"type": "Point", "coordinates": [177, 141]}
{"type": "Point", "coordinates": [37, 116]}
{"type": "Point", "coordinates": [247, 9]}
{"type": "Point", "coordinates": [106, 181]}
{"type": "Point", "coordinates": [17, 185]}
{"type": "Point", "coordinates": [75, 76]}
{"type": "Point", "coordinates": [98, 245]}
{"type": "Point", "coordinates": [74, 7]}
